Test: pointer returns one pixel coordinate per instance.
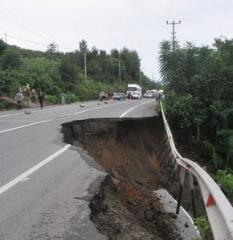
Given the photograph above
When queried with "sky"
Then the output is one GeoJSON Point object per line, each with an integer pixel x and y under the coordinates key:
{"type": "Point", "coordinates": [106, 24]}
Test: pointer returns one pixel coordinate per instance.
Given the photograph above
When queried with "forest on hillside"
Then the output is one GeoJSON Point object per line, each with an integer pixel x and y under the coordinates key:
{"type": "Point", "coordinates": [199, 101]}
{"type": "Point", "coordinates": [57, 73]}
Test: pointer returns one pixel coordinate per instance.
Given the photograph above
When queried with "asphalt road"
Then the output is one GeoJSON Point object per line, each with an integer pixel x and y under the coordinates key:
{"type": "Point", "coordinates": [44, 183]}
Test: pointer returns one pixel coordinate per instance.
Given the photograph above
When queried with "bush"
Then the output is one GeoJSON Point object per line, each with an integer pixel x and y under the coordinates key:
{"type": "Point", "coordinates": [90, 90]}
{"type": "Point", "coordinates": [2, 105]}
{"type": "Point", "coordinates": [225, 146]}
{"type": "Point", "coordinates": [179, 110]}
{"type": "Point", "coordinates": [203, 225]}
{"type": "Point", "coordinates": [51, 99]}
{"type": "Point", "coordinates": [207, 150]}
{"type": "Point", "coordinates": [70, 98]}
{"type": "Point", "coordinates": [5, 105]}
{"type": "Point", "coordinates": [225, 180]}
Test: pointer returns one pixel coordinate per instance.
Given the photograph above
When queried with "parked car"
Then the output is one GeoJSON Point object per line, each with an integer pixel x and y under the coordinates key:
{"type": "Point", "coordinates": [118, 96]}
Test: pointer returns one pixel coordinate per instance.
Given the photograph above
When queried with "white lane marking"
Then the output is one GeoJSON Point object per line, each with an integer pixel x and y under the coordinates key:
{"type": "Point", "coordinates": [24, 126]}
{"type": "Point", "coordinates": [12, 114]}
{"type": "Point", "coordinates": [88, 110]}
{"type": "Point", "coordinates": [26, 174]}
{"type": "Point", "coordinates": [15, 121]}
{"type": "Point", "coordinates": [25, 179]}
{"type": "Point", "coordinates": [105, 106]}
{"type": "Point", "coordinates": [64, 116]}
{"type": "Point", "coordinates": [131, 109]}
{"type": "Point", "coordinates": [38, 110]}
{"type": "Point", "coordinates": [51, 120]}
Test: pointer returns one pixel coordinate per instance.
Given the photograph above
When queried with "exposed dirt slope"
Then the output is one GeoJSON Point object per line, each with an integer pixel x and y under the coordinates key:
{"type": "Point", "coordinates": [131, 152]}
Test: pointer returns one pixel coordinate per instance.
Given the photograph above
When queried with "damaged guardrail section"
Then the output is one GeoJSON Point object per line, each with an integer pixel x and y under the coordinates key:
{"type": "Point", "coordinates": [218, 208]}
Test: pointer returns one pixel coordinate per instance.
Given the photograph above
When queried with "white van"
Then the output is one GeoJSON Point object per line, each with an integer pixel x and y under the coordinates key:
{"type": "Point", "coordinates": [134, 91]}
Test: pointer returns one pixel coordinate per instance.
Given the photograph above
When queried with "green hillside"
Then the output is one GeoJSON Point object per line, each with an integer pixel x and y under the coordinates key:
{"type": "Point", "coordinates": [59, 73]}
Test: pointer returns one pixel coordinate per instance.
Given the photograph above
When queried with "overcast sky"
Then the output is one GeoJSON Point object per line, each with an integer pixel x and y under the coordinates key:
{"type": "Point", "coordinates": [106, 24]}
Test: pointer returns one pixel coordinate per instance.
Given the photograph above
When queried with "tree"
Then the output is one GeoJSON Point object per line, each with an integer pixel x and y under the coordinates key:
{"type": "Point", "coordinates": [83, 48]}
{"type": "Point", "coordinates": [3, 46]}
{"type": "Point", "coordinates": [52, 48]}
{"type": "Point", "coordinates": [11, 58]}
{"type": "Point", "coordinates": [115, 53]}
{"type": "Point", "coordinates": [199, 83]}
{"type": "Point", "coordinates": [130, 60]}
{"type": "Point", "coordinates": [69, 75]}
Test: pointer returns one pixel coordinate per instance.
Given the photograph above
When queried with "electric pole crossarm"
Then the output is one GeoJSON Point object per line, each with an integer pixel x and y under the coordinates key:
{"type": "Point", "coordinates": [173, 23]}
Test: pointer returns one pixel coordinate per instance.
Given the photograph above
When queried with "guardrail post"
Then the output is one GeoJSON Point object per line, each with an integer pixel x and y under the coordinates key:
{"type": "Point", "coordinates": [173, 172]}
{"type": "Point", "coordinates": [163, 155]}
{"type": "Point", "coordinates": [182, 177]}
{"type": "Point", "coordinates": [191, 186]}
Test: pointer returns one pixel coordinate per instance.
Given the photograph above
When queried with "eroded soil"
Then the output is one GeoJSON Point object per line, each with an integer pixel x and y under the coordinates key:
{"type": "Point", "coordinates": [134, 153]}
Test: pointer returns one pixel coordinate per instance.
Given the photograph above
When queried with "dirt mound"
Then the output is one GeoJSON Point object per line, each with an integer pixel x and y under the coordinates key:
{"type": "Point", "coordinates": [131, 152]}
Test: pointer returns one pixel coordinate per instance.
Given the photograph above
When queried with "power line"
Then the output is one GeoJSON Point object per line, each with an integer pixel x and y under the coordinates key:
{"type": "Point", "coordinates": [26, 40]}
{"type": "Point", "coordinates": [21, 23]}
{"type": "Point", "coordinates": [17, 23]}
{"type": "Point", "coordinates": [7, 36]}
{"type": "Point", "coordinates": [10, 36]}
{"type": "Point", "coordinates": [173, 23]}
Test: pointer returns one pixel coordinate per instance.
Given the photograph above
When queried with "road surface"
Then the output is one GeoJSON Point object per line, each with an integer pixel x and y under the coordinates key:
{"type": "Point", "coordinates": [45, 185]}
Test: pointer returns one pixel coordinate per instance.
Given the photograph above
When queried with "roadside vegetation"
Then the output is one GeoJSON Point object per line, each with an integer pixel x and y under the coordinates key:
{"type": "Point", "coordinates": [204, 228]}
{"type": "Point", "coordinates": [58, 73]}
{"type": "Point", "coordinates": [199, 103]}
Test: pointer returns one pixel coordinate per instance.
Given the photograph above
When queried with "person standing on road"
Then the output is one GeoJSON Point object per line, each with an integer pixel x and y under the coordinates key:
{"type": "Point", "coordinates": [27, 94]}
{"type": "Point", "coordinates": [41, 99]}
{"type": "Point", "coordinates": [19, 99]}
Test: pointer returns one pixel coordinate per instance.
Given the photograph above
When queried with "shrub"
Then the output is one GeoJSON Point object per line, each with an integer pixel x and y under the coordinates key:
{"type": "Point", "coordinates": [70, 98]}
{"type": "Point", "coordinates": [51, 99]}
{"type": "Point", "coordinates": [207, 150]}
{"type": "Point", "coordinates": [5, 105]}
{"type": "Point", "coordinates": [225, 180]}
{"type": "Point", "coordinates": [225, 146]}
{"type": "Point", "coordinates": [203, 225]}
{"type": "Point", "coordinates": [2, 105]}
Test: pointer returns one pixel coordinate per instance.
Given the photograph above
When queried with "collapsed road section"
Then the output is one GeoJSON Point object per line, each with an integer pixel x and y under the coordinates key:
{"type": "Point", "coordinates": [132, 153]}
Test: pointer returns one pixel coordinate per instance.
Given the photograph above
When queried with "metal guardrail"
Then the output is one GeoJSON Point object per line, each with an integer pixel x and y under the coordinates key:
{"type": "Point", "coordinates": [218, 208]}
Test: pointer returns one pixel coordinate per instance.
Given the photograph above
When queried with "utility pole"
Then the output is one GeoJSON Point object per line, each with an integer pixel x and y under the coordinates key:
{"type": "Point", "coordinates": [140, 79]}
{"type": "Point", "coordinates": [85, 66]}
{"type": "Point", "coordinates": [5, 37]}
{"type": "Point", "coordinates": [119, 65]}
{"type": "Point", "coordinates": [173, 23]}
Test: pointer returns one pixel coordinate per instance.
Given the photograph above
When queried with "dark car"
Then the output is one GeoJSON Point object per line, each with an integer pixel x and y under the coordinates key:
{"type": "Point", "coordinates": [118, 96]}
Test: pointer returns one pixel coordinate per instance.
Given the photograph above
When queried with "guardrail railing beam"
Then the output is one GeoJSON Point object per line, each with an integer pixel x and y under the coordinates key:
{"type": "Point", "coordinates": [218, 208]}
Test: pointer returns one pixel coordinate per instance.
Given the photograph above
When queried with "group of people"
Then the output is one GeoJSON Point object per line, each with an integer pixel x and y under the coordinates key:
{"type": "Point", "coordinates": [105, 96]}
{"type": "Point", "coordinates": [25, 93]}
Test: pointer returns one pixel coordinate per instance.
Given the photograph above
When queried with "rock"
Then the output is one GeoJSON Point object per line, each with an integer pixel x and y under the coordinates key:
{"type": "Point", "coordinates": [186, 225]}
{"type": "Point", "coordinates": [27, 112]}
